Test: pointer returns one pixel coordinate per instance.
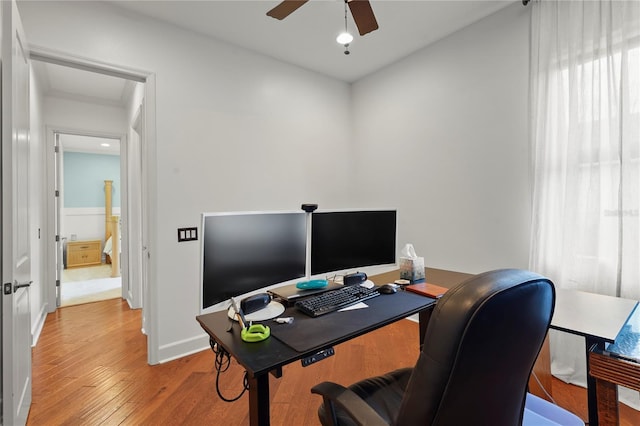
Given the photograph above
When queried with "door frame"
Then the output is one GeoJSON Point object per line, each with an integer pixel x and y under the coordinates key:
{"type": "Point", "coordinates": [150, 175]}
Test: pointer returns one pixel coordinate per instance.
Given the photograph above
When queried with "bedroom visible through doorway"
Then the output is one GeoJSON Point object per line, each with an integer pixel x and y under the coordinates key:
{"type": "Point", "coordinates": [89, 284]}
{"type": "Point", "coordinates": [89, 218]}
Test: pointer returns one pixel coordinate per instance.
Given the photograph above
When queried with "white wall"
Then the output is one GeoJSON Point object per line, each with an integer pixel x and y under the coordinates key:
{"type": "Point", "coordinates": [85, 223]}
{"type": "Point", "coordinates": [443, 136]}
{"type": "Point", "coordinates": [235, 131]}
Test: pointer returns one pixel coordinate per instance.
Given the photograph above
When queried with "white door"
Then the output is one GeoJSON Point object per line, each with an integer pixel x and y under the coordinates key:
{"type": "Point", "coordinates": [136, 222]}
{"type": "Point", "coordinates": [139, 128]}
{"type": "Point", "coordinates": [16, 263]}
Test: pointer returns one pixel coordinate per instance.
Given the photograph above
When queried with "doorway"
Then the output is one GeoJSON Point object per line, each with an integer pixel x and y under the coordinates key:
{"type": "Point", "coordinates": [86, 99]}
{"type": "Point", "coordinates": [138, 177]}
{"type": "Point", "coordinates": [88, 215]}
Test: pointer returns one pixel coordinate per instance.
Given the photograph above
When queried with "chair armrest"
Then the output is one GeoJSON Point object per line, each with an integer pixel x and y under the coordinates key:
{"type": "Point", "coordinates": [350, 402]}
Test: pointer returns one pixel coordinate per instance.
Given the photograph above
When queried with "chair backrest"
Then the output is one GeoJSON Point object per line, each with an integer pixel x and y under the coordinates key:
{"type": "Point", "coordinates": [480, 346]}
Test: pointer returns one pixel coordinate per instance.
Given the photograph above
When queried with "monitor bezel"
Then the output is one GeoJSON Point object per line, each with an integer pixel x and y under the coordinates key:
{"type": "Point", "coordinates": [369, 269]}
{"type": "Point", "coordinates": [226, 303]}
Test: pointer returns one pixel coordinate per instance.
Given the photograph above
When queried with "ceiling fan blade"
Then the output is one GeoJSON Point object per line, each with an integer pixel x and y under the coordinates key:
{"type": "Point", "coordinates": [363, 16]}
{"type": "Point", "coordinates": [285, 8]}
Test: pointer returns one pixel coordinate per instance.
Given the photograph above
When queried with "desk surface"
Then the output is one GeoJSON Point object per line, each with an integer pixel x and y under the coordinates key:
{"type": "Point", "coordinates": [591, 315]}
{"type": "Point", "coordinates": [577, 312]}
{"type": "Point", "coordinates": [312, 334]}
{"type": "Point", "coordinates": [440, 277]}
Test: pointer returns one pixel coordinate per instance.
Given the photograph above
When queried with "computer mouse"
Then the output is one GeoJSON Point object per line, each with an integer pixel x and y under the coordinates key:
{"type": "Point", "coordinates": [388, 288]}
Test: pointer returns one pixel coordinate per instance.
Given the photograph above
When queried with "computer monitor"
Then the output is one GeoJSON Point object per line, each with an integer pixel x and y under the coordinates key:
{"type": "Point", "coordinates": [247, 251]}
{"type": "Point", "coordinates": [343, 241]}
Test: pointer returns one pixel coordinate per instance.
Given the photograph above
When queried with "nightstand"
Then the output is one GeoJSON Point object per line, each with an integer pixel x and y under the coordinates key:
{"type": "Point", "coordinates": [83, 253]}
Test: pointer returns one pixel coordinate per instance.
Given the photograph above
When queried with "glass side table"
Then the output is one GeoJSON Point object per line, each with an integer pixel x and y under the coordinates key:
{"type": "Point", "coordinates": [617, 364]}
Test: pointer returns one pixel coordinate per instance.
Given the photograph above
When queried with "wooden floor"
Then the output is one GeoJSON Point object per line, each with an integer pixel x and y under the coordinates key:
{"type": "Point", "coordinates": [90, 368]}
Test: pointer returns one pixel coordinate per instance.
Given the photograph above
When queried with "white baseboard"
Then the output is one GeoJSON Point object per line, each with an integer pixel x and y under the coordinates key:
{"type": "Point", "coordinates": [183, 348]}
{"type": "Point", "coordinates": [38, 325]}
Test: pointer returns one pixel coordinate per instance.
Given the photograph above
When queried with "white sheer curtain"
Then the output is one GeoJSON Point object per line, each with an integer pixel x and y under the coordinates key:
{"type": "Point", "coordinates": [585, 91]}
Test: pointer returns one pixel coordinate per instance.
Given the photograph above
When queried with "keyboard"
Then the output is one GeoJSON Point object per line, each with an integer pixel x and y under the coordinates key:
{"type": "Point", "coordinates": [334, 300]}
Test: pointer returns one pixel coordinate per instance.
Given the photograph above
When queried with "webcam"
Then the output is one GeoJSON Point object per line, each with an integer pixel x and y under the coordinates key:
{"type": "Point", "coordinates": [309, 208]}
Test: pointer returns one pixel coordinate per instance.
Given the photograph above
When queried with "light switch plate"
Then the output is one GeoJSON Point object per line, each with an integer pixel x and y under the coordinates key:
{"type": "Point", "coordinates": [187, 234]}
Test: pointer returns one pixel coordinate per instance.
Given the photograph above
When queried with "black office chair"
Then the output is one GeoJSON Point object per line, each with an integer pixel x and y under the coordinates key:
{"type": "Point", "coordinates": [480, 346]}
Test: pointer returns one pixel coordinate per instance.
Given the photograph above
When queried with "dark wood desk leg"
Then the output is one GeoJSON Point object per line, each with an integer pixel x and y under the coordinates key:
{"type": "Point", "coordinates": [592, 398]}
{"type": "Point", "coordinates": [259, 400]}
{"type": "Point", "coordinates": [423, 318]}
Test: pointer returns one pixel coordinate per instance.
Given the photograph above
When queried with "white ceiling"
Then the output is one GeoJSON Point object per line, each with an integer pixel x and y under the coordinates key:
{"type": "Point", "coordinates": [305, 38]}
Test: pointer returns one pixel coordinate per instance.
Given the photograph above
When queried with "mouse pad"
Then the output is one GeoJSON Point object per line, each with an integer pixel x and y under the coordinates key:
{"type": "Point", "coordinates": [307, 333]}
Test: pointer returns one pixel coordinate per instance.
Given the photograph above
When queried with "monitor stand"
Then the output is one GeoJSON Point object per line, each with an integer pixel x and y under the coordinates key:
{"type": "Point", "coordinates": [272, 310]}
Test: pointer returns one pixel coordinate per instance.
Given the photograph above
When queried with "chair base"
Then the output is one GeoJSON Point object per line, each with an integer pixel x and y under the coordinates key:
{"type": "Point", "coordinates": [539, 412]}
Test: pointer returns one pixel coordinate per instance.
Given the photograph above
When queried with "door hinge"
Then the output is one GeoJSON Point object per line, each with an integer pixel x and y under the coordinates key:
{"type": "Point", "coordinates": [57, 283]}
{"type": "Point", "coordinates": [56, 149]}
{"type": "Point", "coordinates": [57, 194]}
{"type": "Point", "coordinates": [8, 288]}
{"type": "Point", "coordinates": [57, 238]}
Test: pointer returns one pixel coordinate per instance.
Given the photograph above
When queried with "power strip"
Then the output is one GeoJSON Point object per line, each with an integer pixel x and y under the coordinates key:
{"type": "Point", "coordinates": [318, 356]}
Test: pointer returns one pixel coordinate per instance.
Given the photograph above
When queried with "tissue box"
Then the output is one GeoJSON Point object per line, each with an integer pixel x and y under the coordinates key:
{"type": "Point", "coordinates": [412, 269]}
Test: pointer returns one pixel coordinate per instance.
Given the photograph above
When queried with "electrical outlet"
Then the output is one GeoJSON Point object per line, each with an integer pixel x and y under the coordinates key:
{"type": "Point", "coordinates": [187, 234]}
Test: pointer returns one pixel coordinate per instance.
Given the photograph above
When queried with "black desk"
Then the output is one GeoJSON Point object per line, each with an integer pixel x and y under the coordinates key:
{"type": "Point", "coordinates": [329, 330]}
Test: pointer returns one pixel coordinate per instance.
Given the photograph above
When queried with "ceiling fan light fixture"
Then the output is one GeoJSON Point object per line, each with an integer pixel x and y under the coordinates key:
{"type": "Point", "coordinates": [344, 38]}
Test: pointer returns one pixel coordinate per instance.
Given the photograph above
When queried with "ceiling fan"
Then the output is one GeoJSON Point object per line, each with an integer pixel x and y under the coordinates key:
{"type": "Point", "coordinates": [360, 10]}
